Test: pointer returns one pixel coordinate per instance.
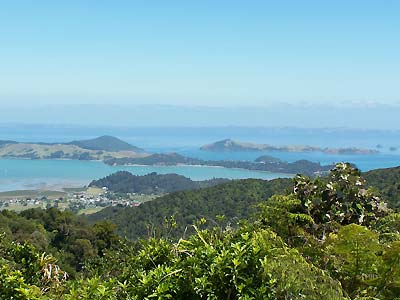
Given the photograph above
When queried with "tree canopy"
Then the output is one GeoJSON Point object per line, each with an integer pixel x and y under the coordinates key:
{"type": "Point", "coordinates": [323, 238]}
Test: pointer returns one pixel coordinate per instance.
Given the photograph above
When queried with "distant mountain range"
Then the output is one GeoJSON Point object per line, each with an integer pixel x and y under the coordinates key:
{"type": "Point", "coordinates": [229, 145]}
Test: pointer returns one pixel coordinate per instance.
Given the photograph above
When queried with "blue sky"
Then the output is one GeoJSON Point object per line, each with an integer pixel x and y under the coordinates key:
{"type": "Point", "coordinates": [211, 53]}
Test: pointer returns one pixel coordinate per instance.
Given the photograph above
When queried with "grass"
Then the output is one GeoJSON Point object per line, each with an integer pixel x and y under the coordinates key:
{"type": "Point", "coordinates": [74, 190]}
{"type": "Point", "coordinates": [144, 198]}
{"type": "Point", "coordinates": [20, 207]}
{"type": "Point", "coordinates": [90, 210]}
{"type": "Point", "coordinates": [94, 191]}
{"type": "Point", "coordinates": [23, 194]}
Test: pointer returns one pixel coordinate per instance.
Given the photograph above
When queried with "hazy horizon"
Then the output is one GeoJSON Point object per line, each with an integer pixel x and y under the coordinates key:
{"type": "Point", "coordinates": [350, 115]}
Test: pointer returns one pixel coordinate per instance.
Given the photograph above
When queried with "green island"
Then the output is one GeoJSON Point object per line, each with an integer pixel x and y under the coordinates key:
{"type": "Point", "coordinates": [330, 237]}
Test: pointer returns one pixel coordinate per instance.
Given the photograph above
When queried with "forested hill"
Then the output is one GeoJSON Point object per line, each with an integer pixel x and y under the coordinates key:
{"type": "Point", "coordinates": [235, 199]}
{"type": "Point", "coordinates": [106, 143]}
{"type": "Point", "coordinates": [153, 183]}
{"type": "Point", "coordinates": [387, 181]}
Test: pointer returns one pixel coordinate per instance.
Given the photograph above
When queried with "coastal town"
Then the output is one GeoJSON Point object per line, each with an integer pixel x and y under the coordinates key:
{"type": "Point", "coordinates": [80, 201]}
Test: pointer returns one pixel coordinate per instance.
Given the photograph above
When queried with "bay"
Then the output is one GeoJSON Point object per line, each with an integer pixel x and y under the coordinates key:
{"type": "Point", "coordinates": [21, 174]}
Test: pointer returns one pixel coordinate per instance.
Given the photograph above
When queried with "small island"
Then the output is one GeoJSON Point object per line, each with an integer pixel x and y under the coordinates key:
{"type": "Point", "coordinates": [229, 145]}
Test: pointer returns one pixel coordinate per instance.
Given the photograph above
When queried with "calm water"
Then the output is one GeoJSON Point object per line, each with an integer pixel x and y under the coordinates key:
{"type": "Point", "coordinates": [23, 174]}
{"type": "Point", "coordinates": [31, 174]}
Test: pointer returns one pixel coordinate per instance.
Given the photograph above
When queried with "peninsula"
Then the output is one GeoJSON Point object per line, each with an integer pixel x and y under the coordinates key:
{"type": "Point", "coordinates": [260, 164]}
{"type": "Point", "coordinates": [104, 147]}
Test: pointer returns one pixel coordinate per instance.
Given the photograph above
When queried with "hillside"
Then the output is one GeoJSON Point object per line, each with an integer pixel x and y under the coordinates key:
{"type": "Point", "coordinates": [387, 181]}
{"type": "Point", "coordinates": [101, 148]}
{"type": "Point", "coordinates": [153, 183]}
{"type": "Point", "coordinates": [59, 151]}
{"type": "Point", "coordinates": [235, 199]}
{"type": "Point", "coordinates": [106, 143]}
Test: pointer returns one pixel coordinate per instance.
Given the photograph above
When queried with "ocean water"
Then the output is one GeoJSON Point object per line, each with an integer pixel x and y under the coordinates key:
{"type": "Point", "coordinates": [28, 174]}
{"type": "Point", "coordinates": [173, 138]}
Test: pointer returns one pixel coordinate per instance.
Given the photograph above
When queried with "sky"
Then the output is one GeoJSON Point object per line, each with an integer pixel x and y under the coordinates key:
{"type": "Point", "coordinates": [199, 53]}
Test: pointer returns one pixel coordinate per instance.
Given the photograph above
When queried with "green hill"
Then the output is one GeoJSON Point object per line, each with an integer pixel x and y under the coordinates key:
{"type": "Point", "coordinates": [106, 143]}
{"type": "Point", "coordinates": [235, 199]}
{"type": "Point", "coordinates": [387, 181]}
{"type": "Point", "coordinates": [153, 183]}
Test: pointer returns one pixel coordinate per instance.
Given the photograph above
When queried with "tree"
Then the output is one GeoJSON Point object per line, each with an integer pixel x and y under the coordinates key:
{"type": "Point", "coordinates": [355, 259]}
{"type": "Point", "coordinates": [340, 199]}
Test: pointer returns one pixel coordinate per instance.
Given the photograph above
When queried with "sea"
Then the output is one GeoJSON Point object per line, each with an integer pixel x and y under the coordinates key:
{"type": "Point", "coordinates": [20, 174]}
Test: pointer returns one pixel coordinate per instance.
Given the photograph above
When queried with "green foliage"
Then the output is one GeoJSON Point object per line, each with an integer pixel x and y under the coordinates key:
{"type": "Point", "coordinates": [26, 273]}
{"type": "Point", "coordinates": [64, 235]}
{"type": "Point", "coordinates": [92, 289]}
{"type": "Point", "coordinates": [388, 227]}
{"type": "Point", "coordinates": [340, 199]}
{"type": "Point", "coordinates": [235, 200]}
{"type": "Point", "coordinates": [13, 285]}
{"type": "Point", "coordinates": [284, 215]}
{"type": "Point", "coordinates": [389, 279]}
{"type": "Point", "coordinates": [387, 181]}
{"type": "Point", "coordinates": [354, 253]}
{"type": "Point", "coordinates": [248, 263]}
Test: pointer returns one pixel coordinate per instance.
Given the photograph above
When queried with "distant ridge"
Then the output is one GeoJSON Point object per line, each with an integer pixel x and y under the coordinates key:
{"type": "Point", "coordinates": [106, 143]}
{"type": "Point", "coordinates": [2, 142]}
{"type": "Point", "coordinates": [229, 145]}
